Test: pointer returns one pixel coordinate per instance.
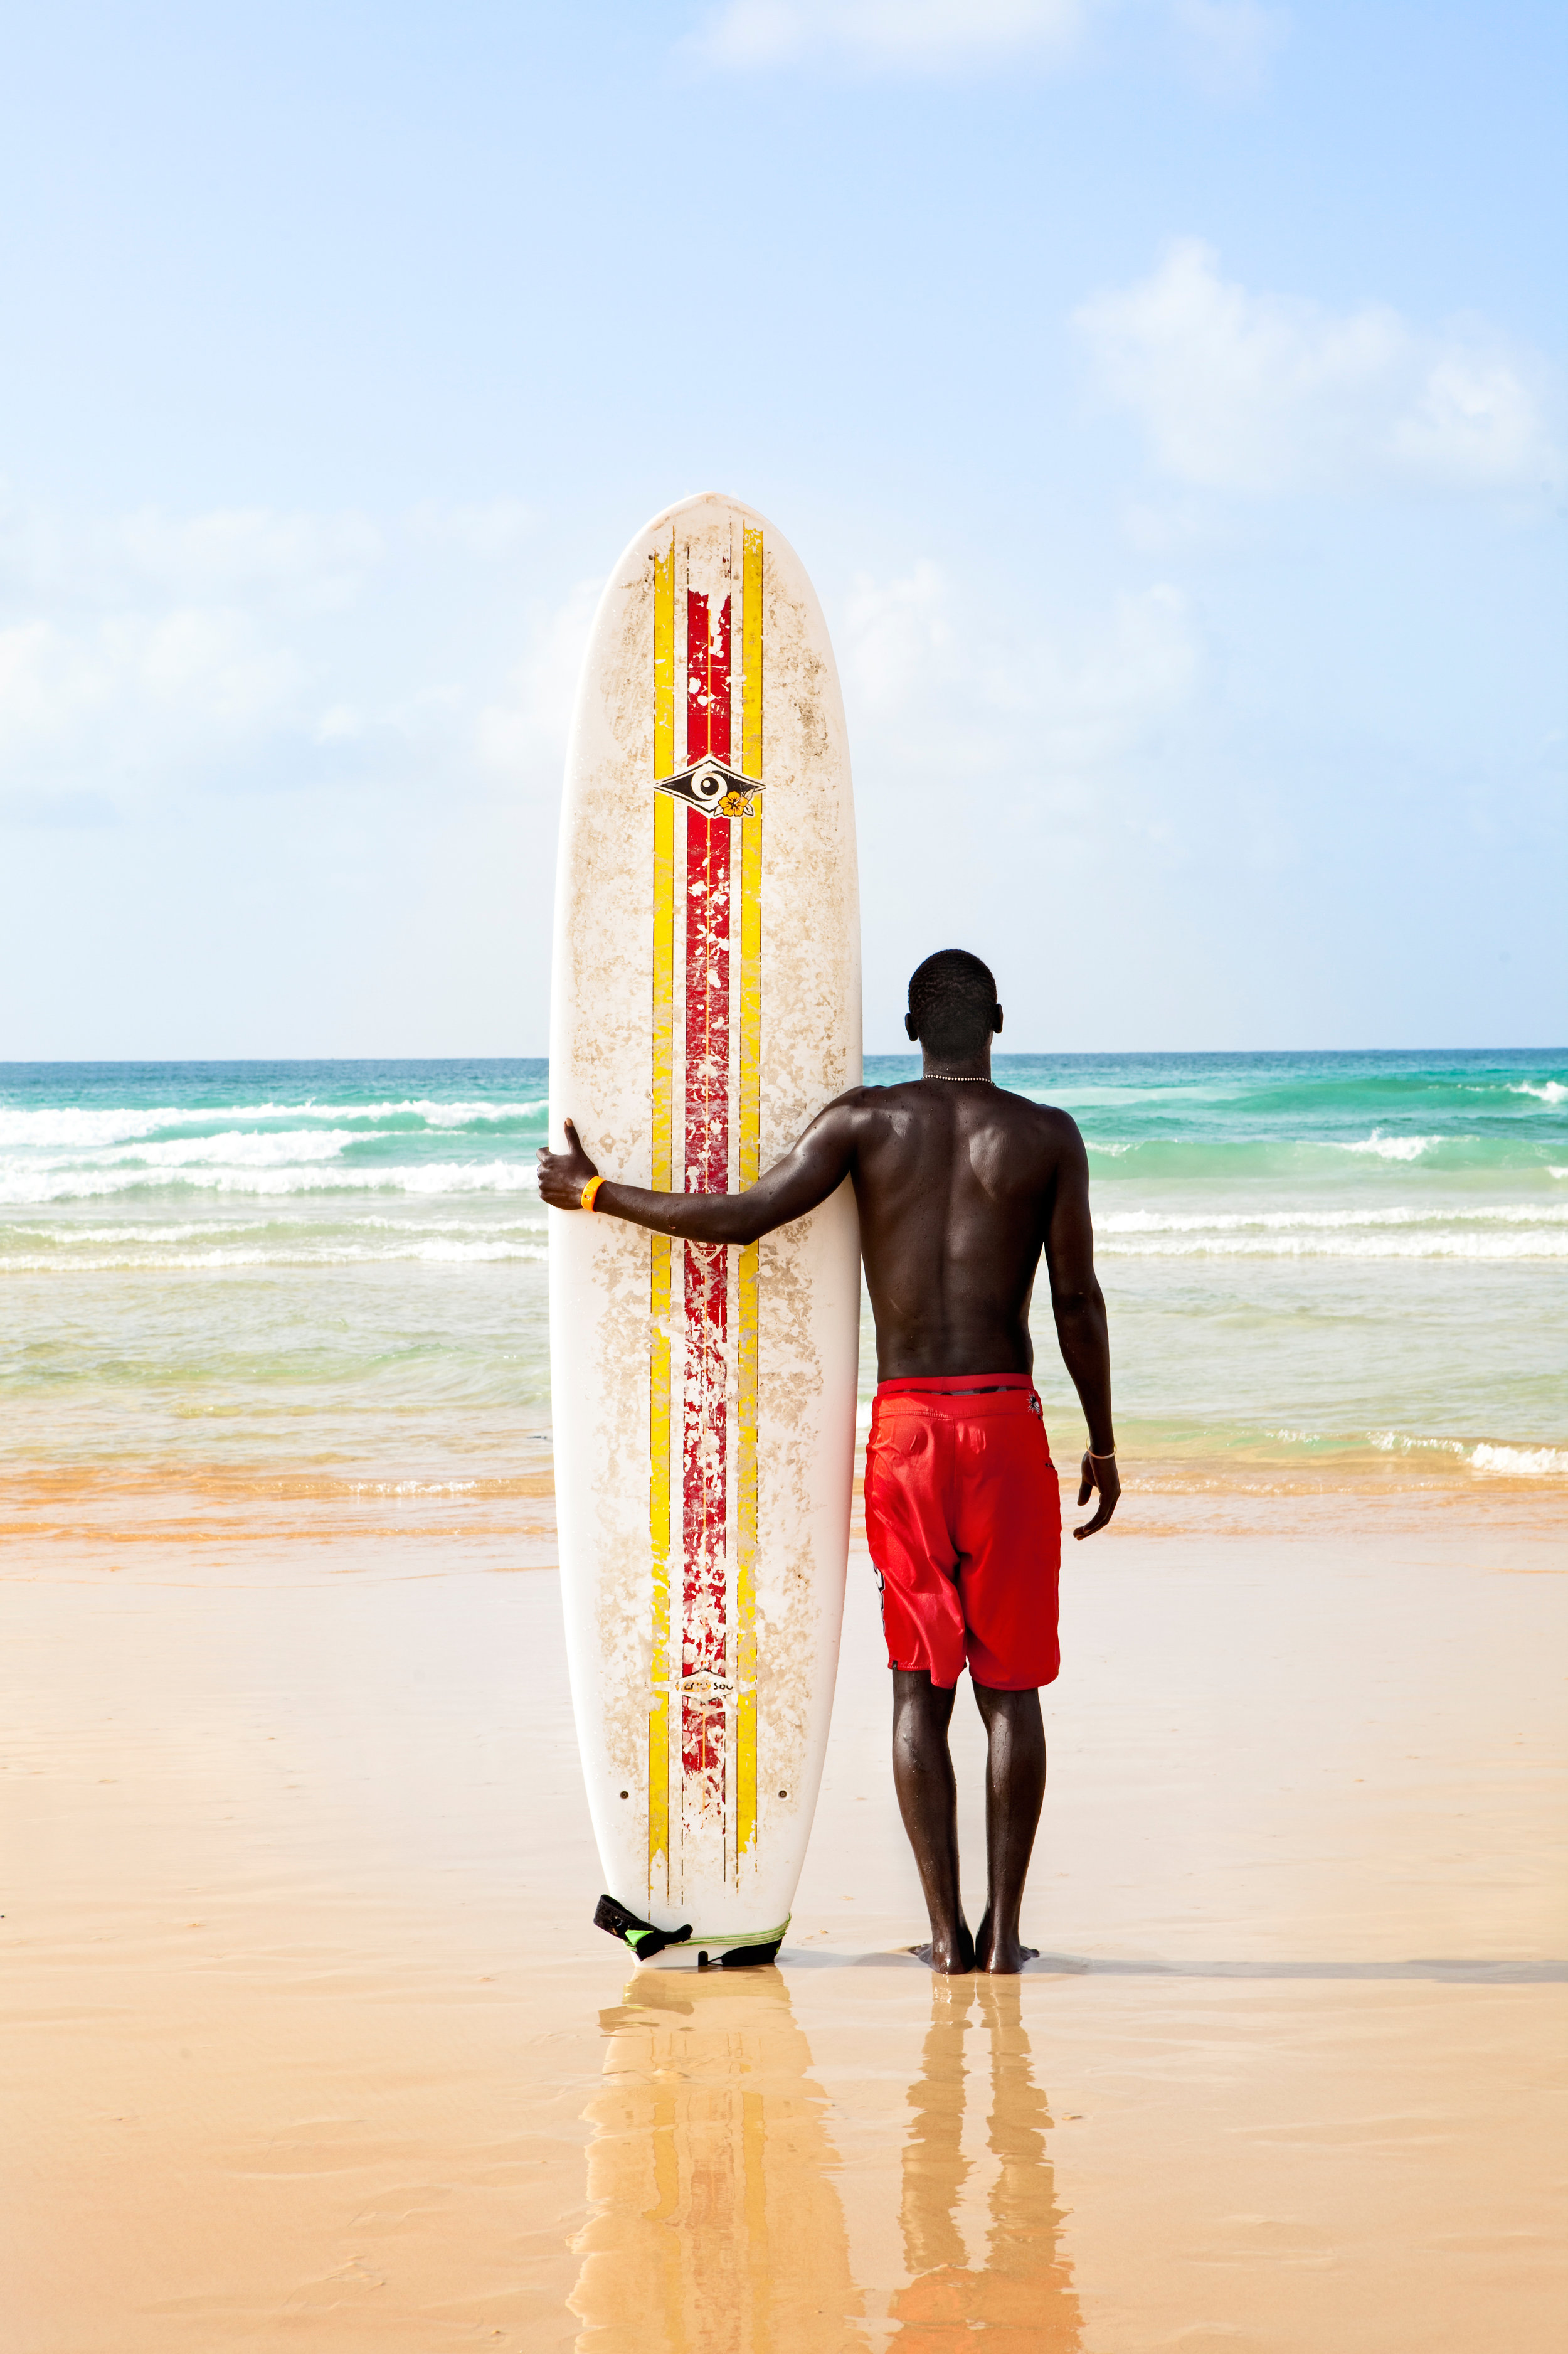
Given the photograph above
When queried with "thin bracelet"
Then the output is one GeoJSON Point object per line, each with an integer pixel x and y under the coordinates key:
{"type": "Point", "coordinates": [1100, 1458]}
{"type": "Point", "coordinates": [589, 1190]}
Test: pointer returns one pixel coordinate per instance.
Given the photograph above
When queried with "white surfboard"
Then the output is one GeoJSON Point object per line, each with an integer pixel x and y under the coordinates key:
{"type": "Point", "coordinates": [705, 1004]}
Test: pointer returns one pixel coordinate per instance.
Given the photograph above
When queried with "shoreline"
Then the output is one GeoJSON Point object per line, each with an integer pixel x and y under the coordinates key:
{"type": "Point", "coordinates": [105, 1507]}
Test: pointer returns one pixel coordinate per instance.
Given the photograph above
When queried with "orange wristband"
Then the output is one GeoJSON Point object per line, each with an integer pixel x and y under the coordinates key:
{"type": "Point", "coordinates": [589, 1190]}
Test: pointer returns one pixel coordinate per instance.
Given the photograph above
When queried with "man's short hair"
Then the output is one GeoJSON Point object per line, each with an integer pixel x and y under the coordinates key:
{"type": "Point", "coordinates": [952, 999]}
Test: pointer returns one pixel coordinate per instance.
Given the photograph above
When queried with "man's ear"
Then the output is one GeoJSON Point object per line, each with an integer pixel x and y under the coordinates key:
{"type": "Point", "coordinates": [996, 1019]}
{"type": "Point", "coordinates": [909, 1029]}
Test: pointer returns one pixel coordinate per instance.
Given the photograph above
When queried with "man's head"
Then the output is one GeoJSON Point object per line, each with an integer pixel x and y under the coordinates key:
{"type": "Point", "coordinates": [952, 1005]}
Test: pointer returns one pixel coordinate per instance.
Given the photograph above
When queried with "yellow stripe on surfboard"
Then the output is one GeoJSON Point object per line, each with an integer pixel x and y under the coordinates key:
{"type": "Point", "coordinates": [663, 1077]}
{"type": "Point", "coordinates": [749, 1145]}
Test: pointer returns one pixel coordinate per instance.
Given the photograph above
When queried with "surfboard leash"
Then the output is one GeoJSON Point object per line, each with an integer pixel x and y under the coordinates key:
{"type": "Point", "coordinates": [645, 1940]}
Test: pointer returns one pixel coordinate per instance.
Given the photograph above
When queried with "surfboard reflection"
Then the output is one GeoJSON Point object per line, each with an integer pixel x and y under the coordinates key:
{"type": "Point", "coordinates": [1022, 2296]}
{"type": "Point", "coordinates": [719, 2229]}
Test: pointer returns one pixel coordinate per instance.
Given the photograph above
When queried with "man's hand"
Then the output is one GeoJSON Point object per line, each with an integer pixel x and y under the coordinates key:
{"type": "Point", "coordinates": [563, 1175]}
{"type": "Point", "coordinates": [1101, 1474]}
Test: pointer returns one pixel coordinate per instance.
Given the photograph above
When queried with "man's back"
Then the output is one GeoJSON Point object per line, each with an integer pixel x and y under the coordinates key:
{"type": "Point", "coordinates": [957, 1182]}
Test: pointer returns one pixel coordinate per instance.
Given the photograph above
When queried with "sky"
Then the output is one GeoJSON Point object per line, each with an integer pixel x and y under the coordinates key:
{"type": "Point", "coordinates": [1166, 397]}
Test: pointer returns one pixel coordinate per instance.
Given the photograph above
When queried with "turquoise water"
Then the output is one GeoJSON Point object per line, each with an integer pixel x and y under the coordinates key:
{"type": "Point", "coordinates": [1308, 1258]}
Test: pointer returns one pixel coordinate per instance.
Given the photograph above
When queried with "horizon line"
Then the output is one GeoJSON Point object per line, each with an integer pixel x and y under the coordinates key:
{"type": "Point", "coordinates": [869, 1054]}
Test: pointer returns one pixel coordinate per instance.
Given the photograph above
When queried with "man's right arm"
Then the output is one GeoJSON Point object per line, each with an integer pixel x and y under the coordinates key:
{"type": "Point", "coordinates": [1078, 1306]}
{"type": "Point", "coordinates": [807, 1173]}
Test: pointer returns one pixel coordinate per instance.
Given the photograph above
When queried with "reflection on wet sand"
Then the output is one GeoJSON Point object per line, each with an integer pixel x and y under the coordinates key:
{"type": "Point", "coordinates": [719, 2229]}
{"type": "Point", "coordinates": [718, 2225]}
{"type": "Point", "coordinates": [1022, 2298]}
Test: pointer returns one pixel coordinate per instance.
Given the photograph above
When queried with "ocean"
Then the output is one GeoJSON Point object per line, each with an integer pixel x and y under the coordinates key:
{"type": "Point", "coordinates": [326, 1281]}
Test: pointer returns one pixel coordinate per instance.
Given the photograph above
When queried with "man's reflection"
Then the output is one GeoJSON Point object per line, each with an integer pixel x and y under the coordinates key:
{"type": "Point", "coordinates": [1021, 2299]}
{"type": "Point", "coordinates": [719, 2229]}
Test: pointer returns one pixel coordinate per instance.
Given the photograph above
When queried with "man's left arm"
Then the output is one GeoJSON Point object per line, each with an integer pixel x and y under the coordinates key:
{"type": "Point", "coordinates": [1078, 1306]}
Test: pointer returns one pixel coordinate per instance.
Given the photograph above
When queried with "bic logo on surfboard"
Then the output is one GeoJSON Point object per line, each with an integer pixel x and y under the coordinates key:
{"type": "Point", "coordinates": [711, 786]}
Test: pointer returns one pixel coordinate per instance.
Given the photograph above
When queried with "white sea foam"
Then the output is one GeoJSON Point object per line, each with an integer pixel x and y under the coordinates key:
{"type": "Point", "coordinates": [84, 1130]}
{"type": "Point", "coordinates": [412, 1487]}
{"type": "Point", "coordinates": [1377, 1146]}
{"type": "Point", "coordinates": [1393, 1147]}
{"type": "Point", "coordinates": [21, 1186]}
{"type": "Point", "coordinates": [1513, 1462]}
{"type": "Point", "coordinates": [66, 1233]}
{"type": "Point", "coordinates": [1539, 1242]}
{"type": "Point", "coordinates": [1395, 1442]}
{"type": "Point", "coordinates": [70, 1126]}
{"type": "Point", "coordinates": [496, 1225]}
{"type": "Point", "coordinates": [1523, 1462]}
{"type": "Point", "coordinates": [437, 1249]}
{"type": "Point", "coordinates": [232, 1146]}
{"type": "Point", "coordinates": [1551, 1092]}
{"type": "Point", "coordinates": [69, 1235]}
{"type": "Point", "coordinates": [1235, 1221]}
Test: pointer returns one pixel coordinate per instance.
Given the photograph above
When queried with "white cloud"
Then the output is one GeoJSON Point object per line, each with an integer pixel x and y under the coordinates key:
{"type": "Point", "coordinates": [1269, 393]}
{"type": "Point", "coordinates": [144, 656]}
{"type": "Point", "coordinates": [138, 689]}
{"type": "Point", "coordinates": [1017, 778]}
{"type": "Point", "coordinates": [247, 549]}
{"type": "Point", "coordinates": [1039, 719]}
{"type": "Point", "coordinates": [1224, 44]}
{"type": "Point", "coordinates": [1227, 43]}
{"type": "Point", "coordinates": [898, 33]}
{"type": "Point", "coordinates": [493, 528]}
{"type": "Point", "coordinates": [134, 650]}
{"type": "Point", "coordinates": [527, 726]}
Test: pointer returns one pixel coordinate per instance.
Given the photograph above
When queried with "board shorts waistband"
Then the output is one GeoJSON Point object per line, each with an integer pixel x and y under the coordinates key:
{"type": "Point", "coordinates": [959, 1395]}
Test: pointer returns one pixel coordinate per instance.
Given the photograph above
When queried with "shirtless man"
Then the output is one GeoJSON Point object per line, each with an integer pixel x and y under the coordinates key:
{"type": "Point", "coordinates": [960, 1186]}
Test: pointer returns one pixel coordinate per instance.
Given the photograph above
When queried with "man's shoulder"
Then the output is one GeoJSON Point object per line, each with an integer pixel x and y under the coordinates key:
{"type": "Point", "coordinates": [869, 1099]}
{"type": "Point", "coordinates": [1046, 1125]}
{"type": "Point", "coordinates": [1046, 1122]}
{"type": "Point", "coordinates": [1041, 1115]}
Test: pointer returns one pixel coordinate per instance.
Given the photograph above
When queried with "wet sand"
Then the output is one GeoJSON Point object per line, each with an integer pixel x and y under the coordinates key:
{"type": "Point", "coordinates": [309, 2041]}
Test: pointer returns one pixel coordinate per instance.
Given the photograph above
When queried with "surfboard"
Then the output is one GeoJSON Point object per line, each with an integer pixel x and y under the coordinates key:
{"type": "Point", "coordinates": [706, 1005]}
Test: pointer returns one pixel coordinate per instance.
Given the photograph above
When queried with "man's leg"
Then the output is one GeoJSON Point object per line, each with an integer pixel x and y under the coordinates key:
{"type": "Point", "coordinates": [929, 1802]}
{"type": "Point", "coordinates": [1014, 1789]}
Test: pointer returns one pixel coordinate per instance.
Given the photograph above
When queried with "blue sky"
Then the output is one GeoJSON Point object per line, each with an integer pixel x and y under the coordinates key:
{"type": "Point", "coordinates": [1167, 396]}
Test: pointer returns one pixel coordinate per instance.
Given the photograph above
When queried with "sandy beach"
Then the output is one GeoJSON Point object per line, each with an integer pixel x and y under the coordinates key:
{"type": "Point", "coordinates": [311, 2043]}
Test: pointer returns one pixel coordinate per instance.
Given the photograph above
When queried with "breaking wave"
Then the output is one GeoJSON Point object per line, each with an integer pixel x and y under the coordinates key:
{"type": "Point", "coordinates": [33, 1187]}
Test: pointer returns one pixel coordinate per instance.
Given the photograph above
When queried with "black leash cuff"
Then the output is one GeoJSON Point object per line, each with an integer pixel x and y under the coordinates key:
{"type": "Point", "coordinates": [644, 1938]}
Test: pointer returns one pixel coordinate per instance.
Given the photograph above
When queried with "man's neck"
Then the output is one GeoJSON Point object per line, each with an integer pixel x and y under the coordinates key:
{"type": "Point", "coordinates": [961, 1068]}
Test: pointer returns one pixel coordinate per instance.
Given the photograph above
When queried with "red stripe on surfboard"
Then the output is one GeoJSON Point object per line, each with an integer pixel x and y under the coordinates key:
{"type": "Point", "coordinates": [707, 679]}
{"type": "Point", "coordinates": [704, 1419]}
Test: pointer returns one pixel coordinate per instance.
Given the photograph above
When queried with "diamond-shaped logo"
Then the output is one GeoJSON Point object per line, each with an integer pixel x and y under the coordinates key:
{"type": "Point", "coordinates": [712, 787]}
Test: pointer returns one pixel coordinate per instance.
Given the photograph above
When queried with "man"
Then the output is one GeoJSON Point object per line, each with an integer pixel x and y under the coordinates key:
{"type": "Point", "coordinates": [960, 1186]}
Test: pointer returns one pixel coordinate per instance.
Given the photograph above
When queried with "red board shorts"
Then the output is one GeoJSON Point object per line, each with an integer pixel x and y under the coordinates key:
{"type": "Point", "coordinates": [963, 1517]}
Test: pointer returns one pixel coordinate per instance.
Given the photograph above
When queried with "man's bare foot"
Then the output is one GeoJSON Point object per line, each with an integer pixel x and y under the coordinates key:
{"type": "Point", "coordinates": [949, 1958]}
{"type": "Point", "coordinates": [1002, 1957]}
